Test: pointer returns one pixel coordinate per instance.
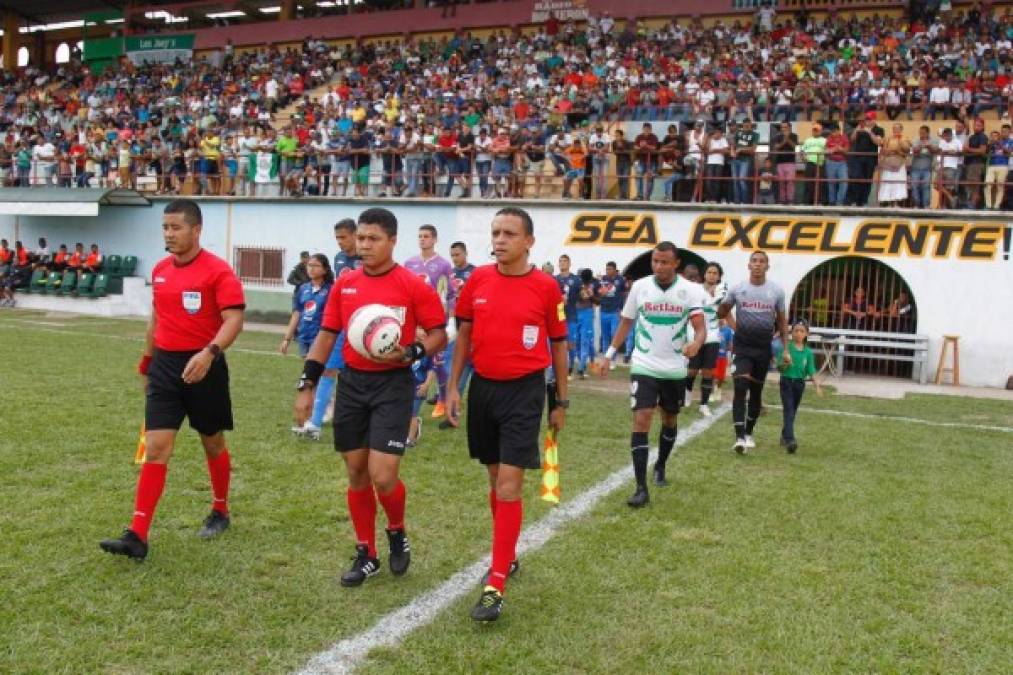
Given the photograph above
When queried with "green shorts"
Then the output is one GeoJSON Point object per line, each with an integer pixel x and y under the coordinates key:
{"type": "Point", "coordinates": [361, 176]}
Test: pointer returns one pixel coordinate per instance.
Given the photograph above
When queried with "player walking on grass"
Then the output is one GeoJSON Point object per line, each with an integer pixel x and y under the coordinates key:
{"type": "Point", "coordinates": [664, 306]}
{"type": "Point", "coordinates": [434, 270]}
{"type": "Point", "coordinates": [507, 315]}
{"type": "Point", "coordinates": [461, 272]}
{"type": "Point", "coordinates": [759, 311]}
{"type": "Point", "coordinates": [197, 313]}
{"type": "Point", "coordinates": [707, 358]}
{"type": "Point", "coordinates": [372, 413]}
{"type": "Point", "coordinates": [345, 261]}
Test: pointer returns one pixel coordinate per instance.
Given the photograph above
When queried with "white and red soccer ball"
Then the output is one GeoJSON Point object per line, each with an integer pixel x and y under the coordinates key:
{"type": "Point", "coordinates": [374, 330]}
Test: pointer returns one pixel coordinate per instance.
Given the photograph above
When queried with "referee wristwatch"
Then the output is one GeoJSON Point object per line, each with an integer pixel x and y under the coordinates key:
{"type": "Point", "coordinates": [563, 403]}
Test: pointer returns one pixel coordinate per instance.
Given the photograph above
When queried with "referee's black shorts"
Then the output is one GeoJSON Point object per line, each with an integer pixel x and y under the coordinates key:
{"type": "Point", "coordinates": [751, 362]}
{"type": "Point", "coordinates": [706, 358]}
{"type": "Point", "coordinates": [504, 418]}
{"type": "Point", "coordinates": [206, 404]}
{"type": "Point", "coordinates": [373, 410]}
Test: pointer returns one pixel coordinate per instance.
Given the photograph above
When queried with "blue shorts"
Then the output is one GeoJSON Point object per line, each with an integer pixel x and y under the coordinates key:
{"type": "Point", "coordinates": [335, 361]}
{"type": "Point", "coordinates": [304, 348]}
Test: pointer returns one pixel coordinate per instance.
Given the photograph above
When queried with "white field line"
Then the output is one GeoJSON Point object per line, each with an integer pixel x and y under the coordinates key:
{"type": "Point", "coordinates": [344, 656]}
{"type": "Point", "coordinates": [31, 325]}
{"type": "Point", "coordinates": [909, 420]}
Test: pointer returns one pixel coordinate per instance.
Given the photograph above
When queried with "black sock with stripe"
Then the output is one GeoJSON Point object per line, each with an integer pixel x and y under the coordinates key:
{"type": "Point", "coordinates": [638, 447]}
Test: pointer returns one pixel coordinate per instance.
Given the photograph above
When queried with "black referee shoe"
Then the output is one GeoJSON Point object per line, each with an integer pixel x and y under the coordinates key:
{"type": "Point", "coordinates": [639, 498]}
{"type": "Point", "coordinates": [216, 523]}
{"type": "Point", "coordinates": [659, 475]}
{"type": "Point", "coordinates": [362, 567]}
{"type": "Point", "coordinates": [400, 551]}
{"type": "Point", "coordinates": [489, 606]}
{"type": "Point", "coordinates": [514, 568]}
{"type": "Point", "coordinates": [129, 544]}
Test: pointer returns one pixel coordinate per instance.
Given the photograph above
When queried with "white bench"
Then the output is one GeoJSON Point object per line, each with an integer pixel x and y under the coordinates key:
{"type": "Point", "coordinates": [837, 343]}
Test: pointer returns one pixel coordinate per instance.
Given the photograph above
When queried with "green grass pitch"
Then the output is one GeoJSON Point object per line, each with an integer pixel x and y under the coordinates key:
{"type": "Point", "coordinates": [883, 546]}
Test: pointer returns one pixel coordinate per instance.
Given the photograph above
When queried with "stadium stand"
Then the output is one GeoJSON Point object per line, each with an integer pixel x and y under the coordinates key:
{"type": "Point", "coordinates": [395, 117]}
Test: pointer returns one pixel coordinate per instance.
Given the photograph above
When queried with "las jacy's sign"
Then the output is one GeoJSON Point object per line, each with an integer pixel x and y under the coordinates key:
{"type": "Point", "coordinates": [807, 234]}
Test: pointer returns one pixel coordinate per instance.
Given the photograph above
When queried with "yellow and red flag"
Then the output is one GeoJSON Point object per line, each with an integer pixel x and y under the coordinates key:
{"type": "Point", "coordinates": [550, 469]}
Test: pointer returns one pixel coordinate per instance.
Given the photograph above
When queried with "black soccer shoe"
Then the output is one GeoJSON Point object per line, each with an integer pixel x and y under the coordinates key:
{"type": "Point", "coordinates": [514, 567]}
{"type": "Point", "coordinates": [489, 606]}
{"type": "Point", "coordinates": [791, 447]}
{"type": "Point", "coordinates": [362, 567]}
{"type": "Point", "coordinates": [400, 551]}
{"type": "Point", "coordinates": [216, 523]}
{"type": "Point", "coordinates": [659, 475]}
{"type": "Point", "coordinates": [129, 544]}
{"type": "Point", "coordinates": [639, 498]}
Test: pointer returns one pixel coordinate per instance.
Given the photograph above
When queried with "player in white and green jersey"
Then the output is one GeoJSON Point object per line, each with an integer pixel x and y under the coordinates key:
{"type": "Point", "coordinates": [714, 290]}
{"type": "Point", "coordinates": [665, 307]}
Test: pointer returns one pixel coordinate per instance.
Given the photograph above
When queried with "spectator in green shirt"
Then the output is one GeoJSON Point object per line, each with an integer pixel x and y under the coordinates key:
{"type": "Point", "coordinates": [794, 374]}
{"type": "Point", "coordinates": [814, 153]}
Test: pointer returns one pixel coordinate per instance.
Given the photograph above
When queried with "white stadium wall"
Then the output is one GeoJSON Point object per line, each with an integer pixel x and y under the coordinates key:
{"type": "Point", "coordinates": [959, 270]}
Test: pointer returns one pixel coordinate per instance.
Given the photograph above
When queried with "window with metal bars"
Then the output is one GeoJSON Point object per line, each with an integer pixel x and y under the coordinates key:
{"type": "Point", "coordinates": [858, 293]}
{"type": "Point", "coordinates": [260, 264]}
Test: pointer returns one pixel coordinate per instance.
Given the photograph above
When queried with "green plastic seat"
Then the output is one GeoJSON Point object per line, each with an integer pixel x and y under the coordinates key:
{"type": "Point", "coordinates": [69, 282]}
{"type": "Point", "coordinates": [129, 266]}
{"type": "Point", "coordinates": [113, 265]}
{"type": "Point", "coordinates": [84, 282]}
{"type": "Point", "coordinates": [51, 284]}
{"type": "Point", "coordinates": [37, 283]}
{"type": "Point", "coordinates": [100, 287]}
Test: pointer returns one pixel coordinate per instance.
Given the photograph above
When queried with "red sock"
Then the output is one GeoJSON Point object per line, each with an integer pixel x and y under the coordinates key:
{"type": "Point", "coordinates": [393, 504]}
{"type": "Point", "coordinates": [362, 509]}
{"type": "Point", "coordinates": [220, 470]}
{"type": "Point", "coordinates": [492, 502]}
{"type": "Point", "coordinates": [149, 491]}
{"type": "Point", "coordinates": [506, 529]}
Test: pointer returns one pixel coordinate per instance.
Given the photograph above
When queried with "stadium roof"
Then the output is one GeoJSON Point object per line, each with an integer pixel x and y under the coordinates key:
{"type": "Point", "coordinates": [55, 11]}
{"type": "Point", "coordinates": [59, 201]}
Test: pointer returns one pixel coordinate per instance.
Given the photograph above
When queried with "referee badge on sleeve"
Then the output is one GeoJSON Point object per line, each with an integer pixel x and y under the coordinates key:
{"type": "Point", "coordinates": [530, 337]}
{"type": "Point", "coordinates": [191, 301]}
{"type": "Point", "coordinates": [561, 312]}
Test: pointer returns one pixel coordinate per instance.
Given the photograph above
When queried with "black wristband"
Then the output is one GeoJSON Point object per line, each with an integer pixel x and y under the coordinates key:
{"type": "Point", "coordinates": [415, 352]}
{"type": "Point", "coordinates": [311, 371]}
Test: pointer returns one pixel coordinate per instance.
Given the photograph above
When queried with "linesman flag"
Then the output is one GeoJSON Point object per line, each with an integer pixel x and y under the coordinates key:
{"type": "Point", "coordinates": [141, 448]}
{"type": "Point", "coordinates": [550, 469]}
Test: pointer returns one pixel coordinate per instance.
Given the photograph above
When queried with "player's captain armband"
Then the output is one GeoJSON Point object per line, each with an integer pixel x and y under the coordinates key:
{"type": "Point", "coordinates": [561, 312]}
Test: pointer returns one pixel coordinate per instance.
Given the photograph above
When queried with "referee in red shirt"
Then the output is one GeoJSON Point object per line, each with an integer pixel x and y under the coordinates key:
{"type": "Point", "coordinates": [507, 315]}
{"type": "Point", "coordinates": [373, 410]}
{"type": "Point", "coordinates": [197, 314]}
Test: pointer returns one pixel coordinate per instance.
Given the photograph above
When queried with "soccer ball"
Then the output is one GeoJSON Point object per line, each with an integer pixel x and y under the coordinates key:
{"type": "Point", "coordinates": [374, 330]}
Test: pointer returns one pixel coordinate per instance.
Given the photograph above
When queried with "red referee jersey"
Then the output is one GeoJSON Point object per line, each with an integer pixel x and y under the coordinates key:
{"type": "Point", "coordinates": [512, 318]}
{"type": "Point", "coordinates": [409, 296]}
{"type": "Point", "coordinates": [189, 300]}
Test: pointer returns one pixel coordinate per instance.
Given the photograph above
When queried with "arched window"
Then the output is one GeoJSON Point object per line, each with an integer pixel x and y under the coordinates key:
{"type": "Point", "coordinates": [63, 53]}
{"type": "Point", "coordinates": [23, 57]}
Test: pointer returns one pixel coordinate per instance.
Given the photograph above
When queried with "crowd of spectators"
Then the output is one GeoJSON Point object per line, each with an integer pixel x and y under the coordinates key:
{"type": "Point", "coordinates": [538, 115]}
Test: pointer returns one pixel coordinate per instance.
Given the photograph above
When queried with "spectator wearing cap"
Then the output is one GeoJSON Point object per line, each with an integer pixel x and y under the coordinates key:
{"type": "Point", "coordinates": [744, 163]}
{"type": "Point", "coordinates": [814, 155]}
{"type": "Point", "coordinates": [951, 150]}
{"type": "Point", "coordinates": [866, 138]}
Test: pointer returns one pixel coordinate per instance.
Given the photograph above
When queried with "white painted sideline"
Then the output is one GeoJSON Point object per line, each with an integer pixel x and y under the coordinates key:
{"type": "Point", "coordinates": [345, 655]}
{"type": "Point", "coordinates": [915, 420]}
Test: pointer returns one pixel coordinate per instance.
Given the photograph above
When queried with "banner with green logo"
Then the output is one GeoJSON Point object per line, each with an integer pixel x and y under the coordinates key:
{"type": "Point", "coordinates": [159, 48]}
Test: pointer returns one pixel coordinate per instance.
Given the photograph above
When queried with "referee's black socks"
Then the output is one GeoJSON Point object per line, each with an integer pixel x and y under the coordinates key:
{"type": "Point", "coordinates": [755, 405]}
{"type": "Point", "coordinates": [666, 441]}
{"type": "Point", "coordinates": [689, 382]}
{"type": "Point", "coordinates": [638, 446]}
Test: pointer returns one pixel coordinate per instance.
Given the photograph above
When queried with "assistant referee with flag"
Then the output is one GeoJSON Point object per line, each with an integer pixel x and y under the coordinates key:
{"type": "Point", "coordinates": [197, 314]}
{"type": "Point", "coordinates": [508, 314]}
